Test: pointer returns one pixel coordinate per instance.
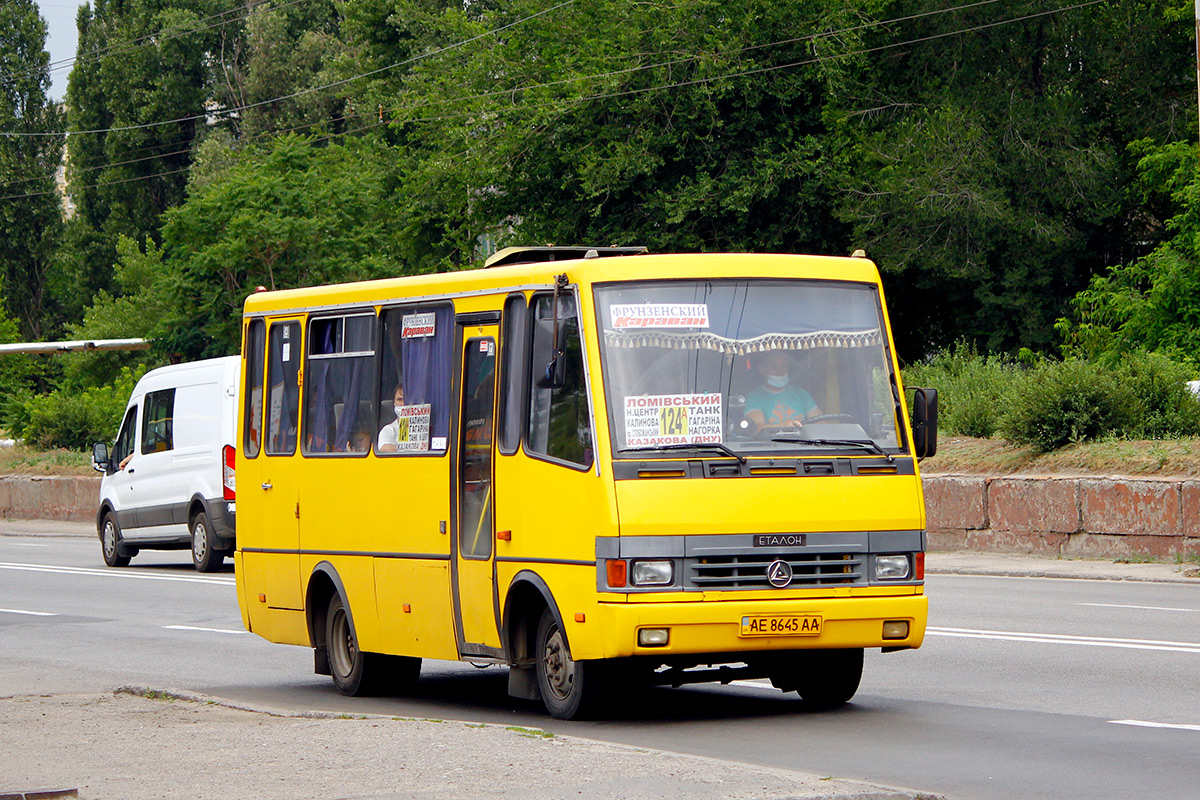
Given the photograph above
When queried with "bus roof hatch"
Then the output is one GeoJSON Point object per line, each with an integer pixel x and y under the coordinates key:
{"type": "Point", "coordinates": [531, 255]}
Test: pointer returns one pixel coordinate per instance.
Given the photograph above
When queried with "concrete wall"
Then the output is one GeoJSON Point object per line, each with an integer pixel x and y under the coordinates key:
{"type": "Point", "coordinates": [1079, 517]}
{"type": "Point", "coordinates": [46, 497]}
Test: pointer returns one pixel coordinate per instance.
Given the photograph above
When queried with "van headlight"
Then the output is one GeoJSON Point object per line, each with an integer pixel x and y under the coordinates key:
{"type": "Point", "coordinates": [653, 573]}
{"type": "Point", "coordinates": [891, 568]}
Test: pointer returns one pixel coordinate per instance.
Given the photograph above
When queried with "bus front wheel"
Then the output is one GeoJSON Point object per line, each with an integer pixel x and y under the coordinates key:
{"type": "Point", "coordinates": [570, 689]}
{"type": "Point", "coordinates": [823, 678]}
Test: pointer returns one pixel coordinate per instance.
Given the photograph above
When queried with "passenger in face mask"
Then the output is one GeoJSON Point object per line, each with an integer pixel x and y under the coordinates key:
{"type": "Point", "coordinates": [389, 437]}
{"type": "Point", "coordinates": [777, 403]}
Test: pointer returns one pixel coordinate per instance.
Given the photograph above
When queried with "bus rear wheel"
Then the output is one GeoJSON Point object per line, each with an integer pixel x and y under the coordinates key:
{"type": "Point", "coordinates": [356, 673]}
{"type": "Point", "coordinates": [823, 678]}
{"type": "Point", "coordinates": [570, 689]}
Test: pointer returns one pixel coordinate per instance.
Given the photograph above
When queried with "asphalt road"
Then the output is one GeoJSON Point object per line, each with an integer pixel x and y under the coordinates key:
{"type": "Point", "coordinates": [1025, 688]}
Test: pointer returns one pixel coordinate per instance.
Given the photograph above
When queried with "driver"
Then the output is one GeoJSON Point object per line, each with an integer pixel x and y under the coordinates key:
{"type": "Point", "coordinates": [777, 403]}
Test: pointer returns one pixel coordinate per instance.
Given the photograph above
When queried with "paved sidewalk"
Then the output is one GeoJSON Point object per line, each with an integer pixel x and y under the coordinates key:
{"type": "Point", "coordinates": [130, 746]}
{"type": "Point", "coordinates": [47, 527]}
{"type": "Point", "coordinates": [963, 562]}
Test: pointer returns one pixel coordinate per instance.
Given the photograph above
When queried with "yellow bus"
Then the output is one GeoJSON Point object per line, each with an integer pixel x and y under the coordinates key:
{"type": "Point", "coordinates": [592, 466]}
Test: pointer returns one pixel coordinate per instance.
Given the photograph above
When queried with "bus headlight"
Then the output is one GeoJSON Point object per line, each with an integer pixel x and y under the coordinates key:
{"type": "Point", "coordinates": [891, 568]}
{"type": "Point", "coordinates": [653, 573]}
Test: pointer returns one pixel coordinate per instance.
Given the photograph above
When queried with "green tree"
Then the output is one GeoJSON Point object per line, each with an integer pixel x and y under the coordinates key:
{"type": "Point", "coordinates": [30, 154]}
{"type": "Point", "coordinates": [994, 168]}
{"type": "Point", "coordinates": [1151, 303]}
{"type": "Point", "coordinates": [293, 214]}
{"type": "Point", "coordinates": [137, 99]}
{"type": "Point", "coordinates": [286, 53]}
{"type": "Point", "coordinates": [680, 126]}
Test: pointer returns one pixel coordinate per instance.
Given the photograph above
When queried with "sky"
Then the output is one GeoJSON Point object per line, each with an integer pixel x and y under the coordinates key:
{"type": "Point", "coordinates": [61, 37]}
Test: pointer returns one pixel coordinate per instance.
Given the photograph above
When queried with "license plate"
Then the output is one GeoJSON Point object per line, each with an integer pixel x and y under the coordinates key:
{"type": "Point", "coordinates": [781, 625]}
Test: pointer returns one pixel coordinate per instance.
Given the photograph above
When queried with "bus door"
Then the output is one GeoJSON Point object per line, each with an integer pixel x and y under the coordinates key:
{"type": "Point", "coordinates": [277, 484]}
{"type": "Point", "coordinates": [475, 601]}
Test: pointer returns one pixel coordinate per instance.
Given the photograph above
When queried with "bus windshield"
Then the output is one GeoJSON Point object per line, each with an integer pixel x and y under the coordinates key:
{"type": "Point", "coordinates": [767, 367]}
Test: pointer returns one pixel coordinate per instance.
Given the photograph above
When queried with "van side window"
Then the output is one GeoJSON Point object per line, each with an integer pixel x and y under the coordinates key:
{"type": "Point", "coordinates": [414, 386]}
{"type": "Point", "coordinates": [512, 374]}
{"type": "Point", "coordinates": [559, 423]}
{"type": "Point", "coordinates": [255, 340]}
{"type": "Point", "coordinates": [283, 395]}
{"type": "Point", "coordinates": [123, 446]}
{"type": "Point", "coordinates": [339, 395]}
{"type": "Point", "coordinates": [157, 436]}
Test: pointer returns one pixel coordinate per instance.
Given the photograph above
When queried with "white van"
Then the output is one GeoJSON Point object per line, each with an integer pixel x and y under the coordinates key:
{"type": "Point", "coordinates": [169, 481]}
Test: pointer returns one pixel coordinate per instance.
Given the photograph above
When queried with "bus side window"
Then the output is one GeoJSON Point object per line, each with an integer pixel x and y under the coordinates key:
{"type": "Point", "coordinates": [255, 335]}
{"type": "Point", "coordinates": [414, 386]}
{"type": "Point", "coordinates": [512, 376]}
{"type": "Point", "coordinates": [339, 393]}
{"type": "Point", "coordinates": [283, 368]}
{"type": "Point", "coordinates": [559, 425]}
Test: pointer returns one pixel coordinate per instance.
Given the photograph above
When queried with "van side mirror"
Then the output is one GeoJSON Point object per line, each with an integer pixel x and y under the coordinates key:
{"type": "Point", "coordinates": [100, 460]}
{"type": "Point", "coordinates": [924, 422]}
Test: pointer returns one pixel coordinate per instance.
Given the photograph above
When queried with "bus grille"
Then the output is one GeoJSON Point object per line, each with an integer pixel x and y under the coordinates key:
{"type": "Point", "coordinates": [749, 571]}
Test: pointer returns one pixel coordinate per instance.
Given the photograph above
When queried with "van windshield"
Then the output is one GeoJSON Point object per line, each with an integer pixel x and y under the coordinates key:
{"type": "Point", "coordinates": [765, 367]}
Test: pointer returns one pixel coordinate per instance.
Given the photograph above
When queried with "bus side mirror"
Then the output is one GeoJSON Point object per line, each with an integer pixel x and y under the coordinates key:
{"type": "Point", "coordinates": [924, 422]}
{"type": "Point", "coordinates": [100, 460]}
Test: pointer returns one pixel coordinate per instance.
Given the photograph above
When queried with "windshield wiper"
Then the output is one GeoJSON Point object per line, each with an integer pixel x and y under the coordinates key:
{"type": "Point", "coordinates": [869, 446]}
{"type": "Point", "coordinates": [698, 446]}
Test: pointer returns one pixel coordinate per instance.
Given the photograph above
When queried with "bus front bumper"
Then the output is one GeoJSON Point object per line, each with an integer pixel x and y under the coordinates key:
{"type": "Point", "coordinates": [752, 626]}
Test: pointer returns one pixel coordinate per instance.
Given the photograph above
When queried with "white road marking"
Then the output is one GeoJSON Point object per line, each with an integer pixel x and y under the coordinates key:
{"type": "Point", "coordinates": [30, 613]}
{"type": "Point", "coordinates": [116, 573]}
{"type": "Point", "coordinates": [1139, 608]}
{"type": "Point", "coordinates": [195, 628]}
{"type": "Point", "coordinates": [1060, 638]}
{"type": "Point", "coordinates": [1143, 724]}
{"type": "Point", "coordinates": [26, 544]}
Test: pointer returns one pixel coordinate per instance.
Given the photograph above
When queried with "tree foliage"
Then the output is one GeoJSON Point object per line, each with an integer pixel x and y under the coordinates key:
{"type": "Point", "coordinates": [994, 157]}
{"type": "Point", "coordinates": [979, 152]}
{"type": "Point", "coordinates": [292, 214]}
{"type": "Point", "coordinates": [30, 219]}
{"type": "Point", "coordinates": [1151, 303]}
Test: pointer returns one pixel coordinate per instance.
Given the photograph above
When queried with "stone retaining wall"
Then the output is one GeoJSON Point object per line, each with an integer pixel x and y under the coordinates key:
{"type": "Point", "coordinates": [1080, 517]}
{"type": "Point", "coordinates": [71, 499]}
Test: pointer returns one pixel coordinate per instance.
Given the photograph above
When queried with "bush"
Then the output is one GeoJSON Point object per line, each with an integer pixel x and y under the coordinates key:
{"type": "Point", "coordinates": [71, 419]}
{"type": "Point", "coordinates": [970, 388]}
{"type": "Point", "coordinates": [1166, 407]}
{"type": "Point", "coordinates": [1059, 403]}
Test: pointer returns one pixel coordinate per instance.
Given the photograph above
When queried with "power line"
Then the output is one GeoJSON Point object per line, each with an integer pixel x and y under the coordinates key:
{"type": "Point", "coordinates": [661, 87]}
{"type": "Point", "coordinates": [230, 111]}
{"type": "Point", "coordinates": [236, 109]}
{"type": "Point", "coordinates": [129, 45]}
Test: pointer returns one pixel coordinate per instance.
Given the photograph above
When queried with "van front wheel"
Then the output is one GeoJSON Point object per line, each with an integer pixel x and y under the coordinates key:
{"type": "Point", "coordinates": [205, 555]}
{"type": "Point", "coordinates": [110, 538]}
